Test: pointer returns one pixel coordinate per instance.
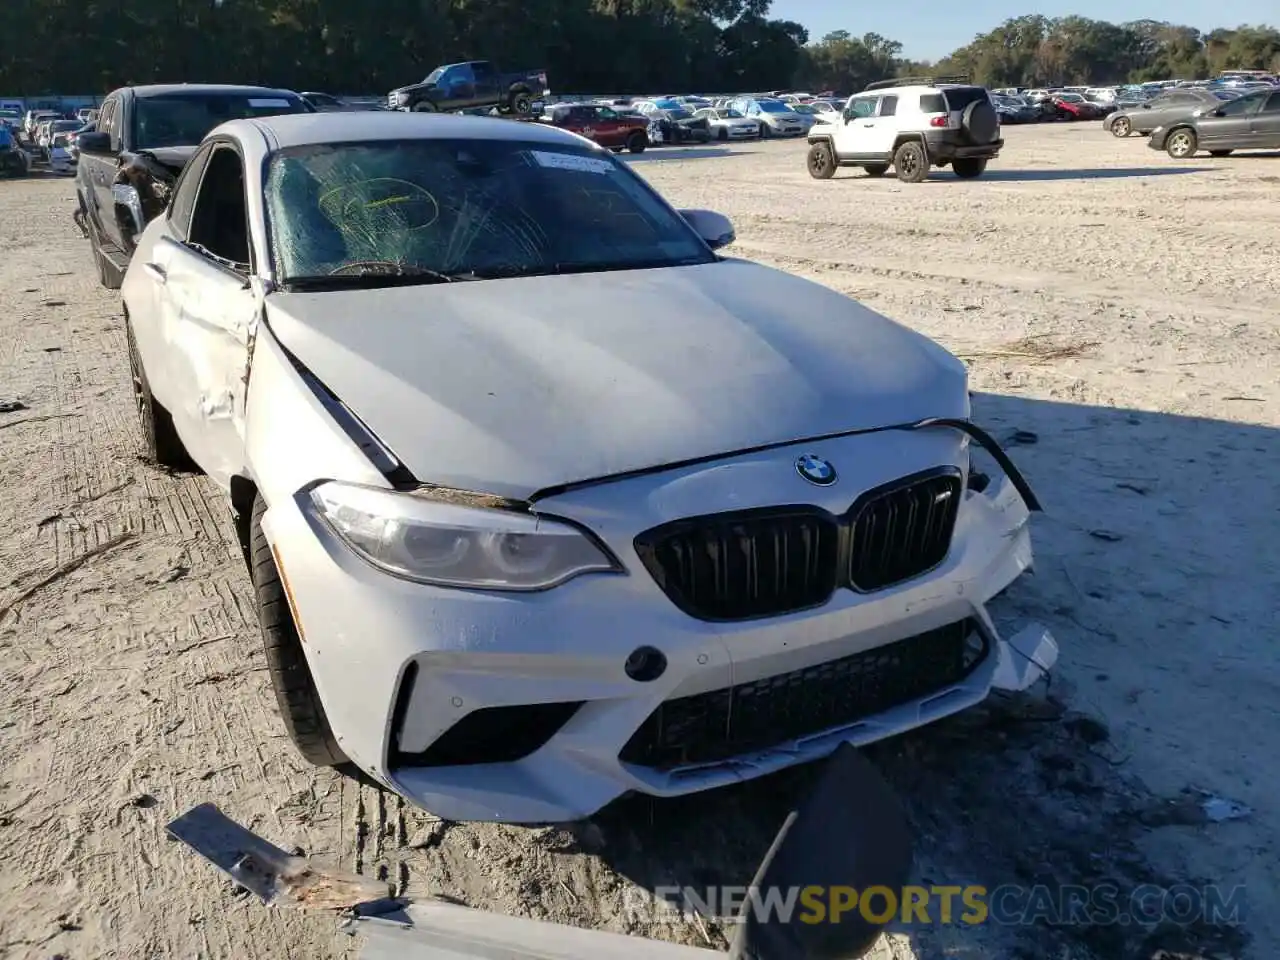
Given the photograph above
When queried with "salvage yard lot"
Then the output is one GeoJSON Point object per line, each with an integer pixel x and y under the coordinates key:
{"type": "Point", "coordinates": [1120, 314]}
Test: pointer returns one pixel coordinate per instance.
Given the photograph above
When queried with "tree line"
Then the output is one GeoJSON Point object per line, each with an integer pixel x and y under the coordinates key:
{"type": "Point", "coordinates": [343, 46]}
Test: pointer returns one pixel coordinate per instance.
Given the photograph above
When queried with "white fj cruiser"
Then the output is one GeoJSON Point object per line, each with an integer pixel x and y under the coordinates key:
{"type": "Point", "coordinates": [911, 124]}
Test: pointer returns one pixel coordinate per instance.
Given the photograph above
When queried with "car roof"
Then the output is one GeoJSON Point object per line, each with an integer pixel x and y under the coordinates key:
{"type": "Point", "coordinates": [161, 89]}
{"type": "Point", "coordinates": [307, 129]}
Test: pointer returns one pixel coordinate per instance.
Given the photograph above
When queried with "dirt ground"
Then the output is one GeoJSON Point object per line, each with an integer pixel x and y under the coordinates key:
{"type": "Point", "coordinates": [1119, 312]}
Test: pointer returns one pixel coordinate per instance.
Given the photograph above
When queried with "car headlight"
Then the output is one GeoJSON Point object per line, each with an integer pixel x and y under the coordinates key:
{"type": "Point", "coordinates": [451, 545]}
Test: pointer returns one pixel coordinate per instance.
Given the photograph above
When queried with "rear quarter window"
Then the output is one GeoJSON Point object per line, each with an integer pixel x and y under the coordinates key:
{"type": "Point", "coordinates": [960, 97]}
{"type": "Point", "coordinates": [932, 103]}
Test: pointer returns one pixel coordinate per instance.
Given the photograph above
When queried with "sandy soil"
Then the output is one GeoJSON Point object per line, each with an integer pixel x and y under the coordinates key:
{"type": "Point", "coordinates": [1118, 308]}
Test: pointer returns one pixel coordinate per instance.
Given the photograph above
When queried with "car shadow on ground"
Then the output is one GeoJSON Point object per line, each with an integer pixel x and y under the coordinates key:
{"type": "Point", "coordinates": [680, 153]}
{"type": "Point", "coordinates": [1104, 173]}
{"type": "Point", "coordinates": [1027, 789]}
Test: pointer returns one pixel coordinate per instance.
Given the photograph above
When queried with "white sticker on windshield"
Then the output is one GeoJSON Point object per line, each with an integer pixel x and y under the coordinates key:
{"type": "Point", "coordinates": [268, 102]}
{"type": "Point", "coordinates": [568, 161]}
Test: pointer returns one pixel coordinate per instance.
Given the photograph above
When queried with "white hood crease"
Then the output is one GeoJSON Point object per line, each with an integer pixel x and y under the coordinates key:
{"type": "Point", "coordinates": [513, 386]}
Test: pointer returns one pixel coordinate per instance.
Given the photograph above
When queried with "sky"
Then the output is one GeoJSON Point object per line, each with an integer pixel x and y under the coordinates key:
{"type": "Point", "coordinates": [929, 30]}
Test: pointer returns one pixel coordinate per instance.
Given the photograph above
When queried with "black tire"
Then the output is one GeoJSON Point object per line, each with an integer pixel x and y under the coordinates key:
{"type": "Point", "coordinates": [1181, 143]}
{"type": "Point", "coordinates": [521, 103]}
{"type": "Point", "coordinates": [1120, 127]}
{"type": "Point", "coordinates": [764, 130]}
{"type": "Point", "coordinates": [821, 164]}
{"type": "Point", "coordinates": [300, 707]}
{"type": "Point", "coordinates": [424, 106]}
{"type": "Point", "coordinates": [876, 169]}
{"type": "Point", "coordinates": [969, 167]}
{"type": "Point", "coordinates": [161, 444]}
{"type": "Point", "coordinates": [910, 162]}
{"type": "Point", "coordinates": [637, 142]}
{"type": "Point", "coordinates": [1220, 153]}
{"type": "Point", "coordinates": [980, 122]}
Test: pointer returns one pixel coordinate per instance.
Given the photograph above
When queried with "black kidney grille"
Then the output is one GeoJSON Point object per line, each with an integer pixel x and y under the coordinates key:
{"type": "Point", "coordinates": [902, 532]}
{"type": "Point", "coordinates": [722, 724]}
{"type": "Point", "coordinates": [744, 566]}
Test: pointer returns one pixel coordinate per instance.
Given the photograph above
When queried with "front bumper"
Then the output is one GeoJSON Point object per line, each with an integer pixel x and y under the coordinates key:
{"type": "Point", "coordinates": [1157, 138]}
{"type": "Point", "coordinates": [399, 665]}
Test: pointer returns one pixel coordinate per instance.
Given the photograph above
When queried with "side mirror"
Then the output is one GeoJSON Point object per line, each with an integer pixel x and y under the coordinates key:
{"type": "Point", "coordinates": [95, 142]}
{"type": "Point", "coordinates": [714, 228]}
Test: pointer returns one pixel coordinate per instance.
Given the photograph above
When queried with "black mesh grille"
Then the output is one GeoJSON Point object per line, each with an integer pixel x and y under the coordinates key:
{"type": "Point", "coordinates": [764, 563]}
{"type": "Point", "coordinates": [901, 532]}
{"type": "Point", "coordinates": [739, 566]}
{"type": "Point", "coordinates": [722, 724]}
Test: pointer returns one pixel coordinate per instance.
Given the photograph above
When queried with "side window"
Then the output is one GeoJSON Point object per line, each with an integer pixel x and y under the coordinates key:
{"type": "Point", "coordinates": [462, 73]}
{"type": "Point", "coordinates": [863, 107]}
{"type": "Point", "coordinates": [483, 70]}
{"type": "Point", "coordinates": [220, 221]}
{"type": "Point", "coordinates": [184, 194]}
{"type": "Point", "coordinates": [106, 121]}
{"type": "Point", "coordinates": [932, 103]}
{"type": "Point", "coordinates": [1238, 108]}
{"type": "Point", "coordinates": [604, 113]}
{"type": "Point", "coordinates": [1273, 103]}
{"type": "Point", "coordinates": [888, 106]}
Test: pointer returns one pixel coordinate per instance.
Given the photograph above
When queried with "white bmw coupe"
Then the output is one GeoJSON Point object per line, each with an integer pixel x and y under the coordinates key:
{"type": "Point", "coordinates": [545, 500]}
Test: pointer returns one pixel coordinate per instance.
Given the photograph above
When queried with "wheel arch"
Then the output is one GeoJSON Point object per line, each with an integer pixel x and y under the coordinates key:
{"type": "Point", "coordinates": [902, 138]}
{"type": "Point", "coordinates": [243, 491]}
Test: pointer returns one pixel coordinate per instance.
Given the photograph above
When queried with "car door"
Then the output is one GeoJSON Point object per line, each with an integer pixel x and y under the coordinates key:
{"type": "Point", "coordinates": [485, 80]}
{"type": "Point", "coordinates": [206, 314]}
{"type": "Point", "coordinates": [1229, 125]}
{"type": "Point", "coordinates": [610, 131]}
{"type": "Point", "coordinates": [1168, 107]}
{"type": "Point", "coordinates": [1264, 126]}
{"type": "Point", "coordinates": [856, 136]}
{"type": "Point", "coordinates": [459, 87]}
{"type": "Point", "coordinates": [100, 172]}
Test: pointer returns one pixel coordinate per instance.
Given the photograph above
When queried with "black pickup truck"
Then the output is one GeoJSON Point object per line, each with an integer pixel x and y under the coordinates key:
{"type": "Point", "coordinates": [143, 138]}
{"type": "Point", "coordinates": [465, 86]}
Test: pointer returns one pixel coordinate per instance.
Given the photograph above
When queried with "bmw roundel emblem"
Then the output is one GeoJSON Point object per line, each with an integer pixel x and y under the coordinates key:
{"type": "Point", "coordinates": [816, 470]}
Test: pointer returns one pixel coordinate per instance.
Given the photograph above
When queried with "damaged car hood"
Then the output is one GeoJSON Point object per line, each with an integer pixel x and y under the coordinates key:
{"type": "Point", "coordinates": [513, 386]}
{"type": "Point", "coordinates": [175, 158]}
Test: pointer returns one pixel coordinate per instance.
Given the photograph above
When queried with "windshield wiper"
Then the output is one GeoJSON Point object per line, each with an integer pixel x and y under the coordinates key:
{"type": "Point", "coordinates": [369, 278]}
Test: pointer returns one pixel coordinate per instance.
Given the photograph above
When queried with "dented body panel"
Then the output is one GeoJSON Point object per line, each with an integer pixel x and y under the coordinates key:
{"type": "Point", "coordinates": [519, 390]}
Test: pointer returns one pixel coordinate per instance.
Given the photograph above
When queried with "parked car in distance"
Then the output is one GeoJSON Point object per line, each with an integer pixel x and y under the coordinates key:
{"type": "Point", "coordinates": [542, 552]}
{"type": "Point", "coordinates": [1073, 106]}
{"type": "Point", "coordinates": [143, 138]}
{"type": "Point", "coordinates": [1251, 122]}
{"type": "Point", "coordinates": [728, 124]}
{"type": "Point", "coordinates": [1161, 110]}
{"type": "Point", "coordinates": [673, 123]}
{"type": "Point", "coordinates": [14, 161]}
{"type": "Point", "coordinates": [605, 125]}
{"type": "Point", "coordinates": [1013, 109]}
{"type": "Point", "coordinates": [471, 85]}
{"type": "Point", "coordinates": [776, 119]}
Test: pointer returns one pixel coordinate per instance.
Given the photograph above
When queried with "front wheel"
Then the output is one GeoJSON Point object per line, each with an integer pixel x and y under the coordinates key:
{"type": "Point", "coordinates": [521, 103]}
{"type": "Point", "coordinates": [969, 167]}
{"type": "Point", "coordinates": [1181, 144]}
{"type": "Point", "coordinates": [764, 131]}
{"type": "Point", "coordinates": [911, 162]}
{"type": "Point", "coordinates": [300, 707]}
{"type": "Point", "coordinates": [424, 106]}
{"type": "Point", "coordinates": [1121, 127]}
{"type": "Point", "coordinates": [637, 142]}
{"type": "Point", "coordinates": [161, 444]}
{"type": "Point", "coordinates": [822, 165]}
